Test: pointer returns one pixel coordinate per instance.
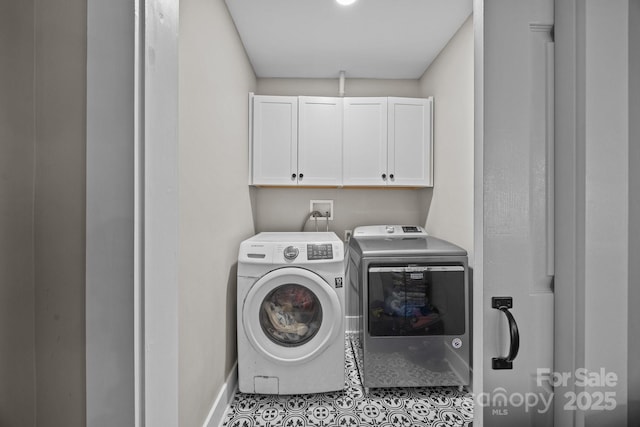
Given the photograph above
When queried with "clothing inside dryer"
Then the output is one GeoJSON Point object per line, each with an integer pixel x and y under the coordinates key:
{"type": "Point", "coordinates": [291, 315]}
{"type": "Point", "coordinates": [416, 301]}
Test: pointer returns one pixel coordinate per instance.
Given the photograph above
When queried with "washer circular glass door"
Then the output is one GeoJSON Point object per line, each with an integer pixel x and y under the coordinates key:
{"type": "Point", "coordinates": [291, 314]}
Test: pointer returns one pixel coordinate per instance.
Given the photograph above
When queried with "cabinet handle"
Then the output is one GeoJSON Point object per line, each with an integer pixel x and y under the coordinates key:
{"type": "Point", "coordinates": [384, 176]}
{"type": "Point", "coordinates": [300, 176]}
{"type": "Point", "coordinates": [293, 176]}
{"type": "Point", "coordinates": [391, 176]}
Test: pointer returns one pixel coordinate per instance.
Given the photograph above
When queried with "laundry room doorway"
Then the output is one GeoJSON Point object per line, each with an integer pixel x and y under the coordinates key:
{"type": "Point", "coordinates": [513, 224]}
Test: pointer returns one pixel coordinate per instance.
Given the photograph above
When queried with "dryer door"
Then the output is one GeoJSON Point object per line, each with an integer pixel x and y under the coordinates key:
{"type": "Point", "coordinates": [291, 315]}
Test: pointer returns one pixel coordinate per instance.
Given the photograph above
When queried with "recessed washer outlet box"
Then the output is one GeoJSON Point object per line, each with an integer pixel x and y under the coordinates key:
{"type": "Point", "coordinates": [322, 206]}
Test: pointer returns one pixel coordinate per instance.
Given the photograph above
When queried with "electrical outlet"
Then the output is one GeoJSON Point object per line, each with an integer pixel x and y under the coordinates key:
{"type": "Point", "coordinates": [325, 207]}
{"type": "Point", "coordinates": [347, 235]}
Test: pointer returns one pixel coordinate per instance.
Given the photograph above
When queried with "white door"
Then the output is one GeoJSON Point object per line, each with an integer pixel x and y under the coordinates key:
{"type": "Point", "coordinates": [320, 141]}
{"type": "Point", "coordinates": [514, 212]}
{"type": "Point", "coordinates": [409, 141]}
{"type": "Point", "coordinates": [274, 156]}
{"type": "Point", "coordinates": [291, 315]}
{"type": "Point", "coordinates": [365, 141]}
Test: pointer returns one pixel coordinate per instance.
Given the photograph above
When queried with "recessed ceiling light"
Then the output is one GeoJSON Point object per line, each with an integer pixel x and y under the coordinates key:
{"type": "Point", "coordinates": [346, 2]}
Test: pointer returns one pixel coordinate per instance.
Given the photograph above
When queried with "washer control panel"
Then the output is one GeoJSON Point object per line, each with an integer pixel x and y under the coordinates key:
{"type": "Point", "coordinates": [290, 248]}
{"type": "Point", "coordinates": [319, 251]}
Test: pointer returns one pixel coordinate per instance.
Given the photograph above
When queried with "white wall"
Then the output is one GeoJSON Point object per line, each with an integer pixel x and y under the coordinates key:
{"type": "Point", "coordinates": [284, 209]}
{"type": "Point", "coordinates": [329, 87]}
{"type": "Point", "coordinates": [214, 199]}
{"type": "Point", "coordinates": [449, 79]}
{"type": "Point", "coordinates": [17, 162]}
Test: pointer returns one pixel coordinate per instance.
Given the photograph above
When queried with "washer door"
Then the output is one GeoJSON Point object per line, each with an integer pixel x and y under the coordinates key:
{"type": "Point", "coordinates": [290, 315]}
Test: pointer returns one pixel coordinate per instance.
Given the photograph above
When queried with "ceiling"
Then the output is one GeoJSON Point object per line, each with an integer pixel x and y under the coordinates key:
{"type": "Point", "coordinates": [386, 39]}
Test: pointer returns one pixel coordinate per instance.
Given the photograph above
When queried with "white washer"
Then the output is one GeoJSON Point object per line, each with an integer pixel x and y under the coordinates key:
{"type": "Point", "coordinates": [291, 313]}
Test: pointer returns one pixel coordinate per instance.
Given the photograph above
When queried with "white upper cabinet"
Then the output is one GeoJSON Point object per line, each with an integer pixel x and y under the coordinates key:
{"type": "Point", "coordinates": [296, 141]}
{"type": "Point", "coordinates": [324, 141]}
{"type": "Point", "coordinates": [365, 141]}
{"type": "Point", "coordinates": [410, 148]}
{"type": "Point", "coordinates": [388, 141]}
{"type": "Point", "coordinates": [320, 141]}
{"type": "Point", "coordinates": [274, 154]}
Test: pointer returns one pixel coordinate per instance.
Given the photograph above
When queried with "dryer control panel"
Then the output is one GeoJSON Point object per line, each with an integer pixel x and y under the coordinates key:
{"type": "Point", "coordinates": [389, 231]}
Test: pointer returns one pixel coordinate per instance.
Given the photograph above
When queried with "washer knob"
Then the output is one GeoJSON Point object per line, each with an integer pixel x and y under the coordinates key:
{"type": "Point", "coordinates": [291, 253]}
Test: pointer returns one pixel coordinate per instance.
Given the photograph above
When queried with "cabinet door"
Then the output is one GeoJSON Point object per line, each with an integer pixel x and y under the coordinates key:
{"type": "Point", "coordinates": [275, 140]}
{"type": "Point", "coordinates": [410, 145]}
{"type": "Point", "coordinates": [365, 141]}
{"type": "Point", "coordinates": [320, 141]}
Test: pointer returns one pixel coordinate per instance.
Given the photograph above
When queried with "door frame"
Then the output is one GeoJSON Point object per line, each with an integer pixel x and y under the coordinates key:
{"type": "Point", "coordinates": [477, 376]}
{"type": "Point", "coordinates": [570, 194]}
{"type": "Point", "coordinates": [157, 211]}
{"type": "Point", "coordinates": [596, 192]}
{"type": "Point", "coordinates": [132, 213]}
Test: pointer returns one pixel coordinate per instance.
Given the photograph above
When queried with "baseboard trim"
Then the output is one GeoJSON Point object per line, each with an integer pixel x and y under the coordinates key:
{"type": "Point", "coordinates": [223, 400]}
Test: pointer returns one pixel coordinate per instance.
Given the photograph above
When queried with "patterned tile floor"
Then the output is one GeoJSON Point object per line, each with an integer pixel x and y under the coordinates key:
{"type": "Point", "coordinates": [388, 407]}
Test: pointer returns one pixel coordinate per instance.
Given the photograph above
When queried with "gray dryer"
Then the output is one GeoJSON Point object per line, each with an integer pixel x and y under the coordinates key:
{"type": "Point", "coordinates": [411, 291]}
